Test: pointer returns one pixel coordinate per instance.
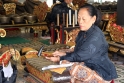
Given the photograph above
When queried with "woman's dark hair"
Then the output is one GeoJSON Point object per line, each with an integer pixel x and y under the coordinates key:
{"type": "Point", "coordinates": [93, 11]}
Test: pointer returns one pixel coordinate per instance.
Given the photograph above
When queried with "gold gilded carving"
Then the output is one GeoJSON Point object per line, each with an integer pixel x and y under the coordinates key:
{"type": "Point", "coordinates": [71, 36]}
{"type": "Point", "coordinates": [113, 49]}
{"type": "Point", "coordinates": [6, 53]}
{"type": "Point", "coordinates": [9, 8]}
{"type": "Point", "coordinates": [41, 11]}
{"type": "Point", "coordinates": [66, 36]}
{"type": "Point", "coordinates": [15, 54]}
{"type": "Point", "coordinates": [2, 32]}
{"type": "Point", "coordinates": [105, 16]}
{"type": "Point", "coordinates": [72, 6]}
{"type": "Point", "coordinates": [58, 37]}
{"type": "Point", "coordinates": [40, 28]}
{"type": "Point", "coordinates": [111, 19]}
{"type": "Point", "coordinates": [109, 24]}
{"type": "Point", "coordinates": [122, 51]}
{"type": "Point", "coordinates": [116, 33]}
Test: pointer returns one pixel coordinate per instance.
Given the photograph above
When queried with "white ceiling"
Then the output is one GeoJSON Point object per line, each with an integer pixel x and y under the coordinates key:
{"type": "Point", "coordinates": [49, 2]}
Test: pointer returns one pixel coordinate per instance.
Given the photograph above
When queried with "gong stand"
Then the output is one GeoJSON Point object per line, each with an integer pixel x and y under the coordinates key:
{"type": "Point", "coordinates": [2, 33]}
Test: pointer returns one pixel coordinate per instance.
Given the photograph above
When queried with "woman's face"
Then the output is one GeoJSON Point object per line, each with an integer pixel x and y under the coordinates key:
{"type": "Point", "coordinates": [85, 20]}
{"type": "Point", "coordinates": [68, 1]}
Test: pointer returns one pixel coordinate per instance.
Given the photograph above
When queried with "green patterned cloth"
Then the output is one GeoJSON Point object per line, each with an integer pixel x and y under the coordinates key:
{"type": "Point", "coordinates": [13, 40]}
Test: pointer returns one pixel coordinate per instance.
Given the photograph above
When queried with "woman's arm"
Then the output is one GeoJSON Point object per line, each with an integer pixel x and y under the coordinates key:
{"type": "Point", "coordinates": [93, 46]}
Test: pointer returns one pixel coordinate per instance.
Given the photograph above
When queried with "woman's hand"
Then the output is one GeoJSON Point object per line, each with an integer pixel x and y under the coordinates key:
{"type": "Point", "coordinates": [64, 62]}
{"type": "Point", "coordinates": [58, 53]}
{"type": "Point", "coordinates": [56, 56]}
{"type": "Point", "coordinates": [54, 59]}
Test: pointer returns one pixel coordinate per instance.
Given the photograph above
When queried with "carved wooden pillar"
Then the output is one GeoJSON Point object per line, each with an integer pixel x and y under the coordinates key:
{"type": "Point", "coordinates": [61, 34]}
{"type": "Point", "coordinates": [52, 28]}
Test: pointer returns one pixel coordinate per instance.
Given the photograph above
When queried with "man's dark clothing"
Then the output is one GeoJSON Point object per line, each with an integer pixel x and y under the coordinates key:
{"type": "Point", "coordinates": [59, 9]}
{"type": "Point", "coordinates": [29, 5]}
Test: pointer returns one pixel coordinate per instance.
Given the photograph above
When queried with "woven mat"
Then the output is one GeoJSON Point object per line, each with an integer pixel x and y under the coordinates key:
{"type": "Point", "coordinates": [45, 41]}
{"type": "Point", "coordinates": [13, 40]}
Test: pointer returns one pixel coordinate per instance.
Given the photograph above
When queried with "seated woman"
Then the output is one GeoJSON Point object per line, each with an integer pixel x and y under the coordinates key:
{"type": "Point", "coordinates": [91, 51]}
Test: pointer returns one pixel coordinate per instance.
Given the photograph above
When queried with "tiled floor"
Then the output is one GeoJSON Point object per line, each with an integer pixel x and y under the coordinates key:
{"type": "Point", "coordinates": [119, 64]}
{"type": "Point", "coordinates": [120, 72]}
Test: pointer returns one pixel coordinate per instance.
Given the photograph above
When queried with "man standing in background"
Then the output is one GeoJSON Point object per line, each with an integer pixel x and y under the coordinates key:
{"type": "Point", "coordinates": [59, 8]}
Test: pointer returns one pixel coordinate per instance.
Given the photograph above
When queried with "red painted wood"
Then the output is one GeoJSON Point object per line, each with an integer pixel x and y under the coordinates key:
{"type": "Point", "coordinates": [112, 81]}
